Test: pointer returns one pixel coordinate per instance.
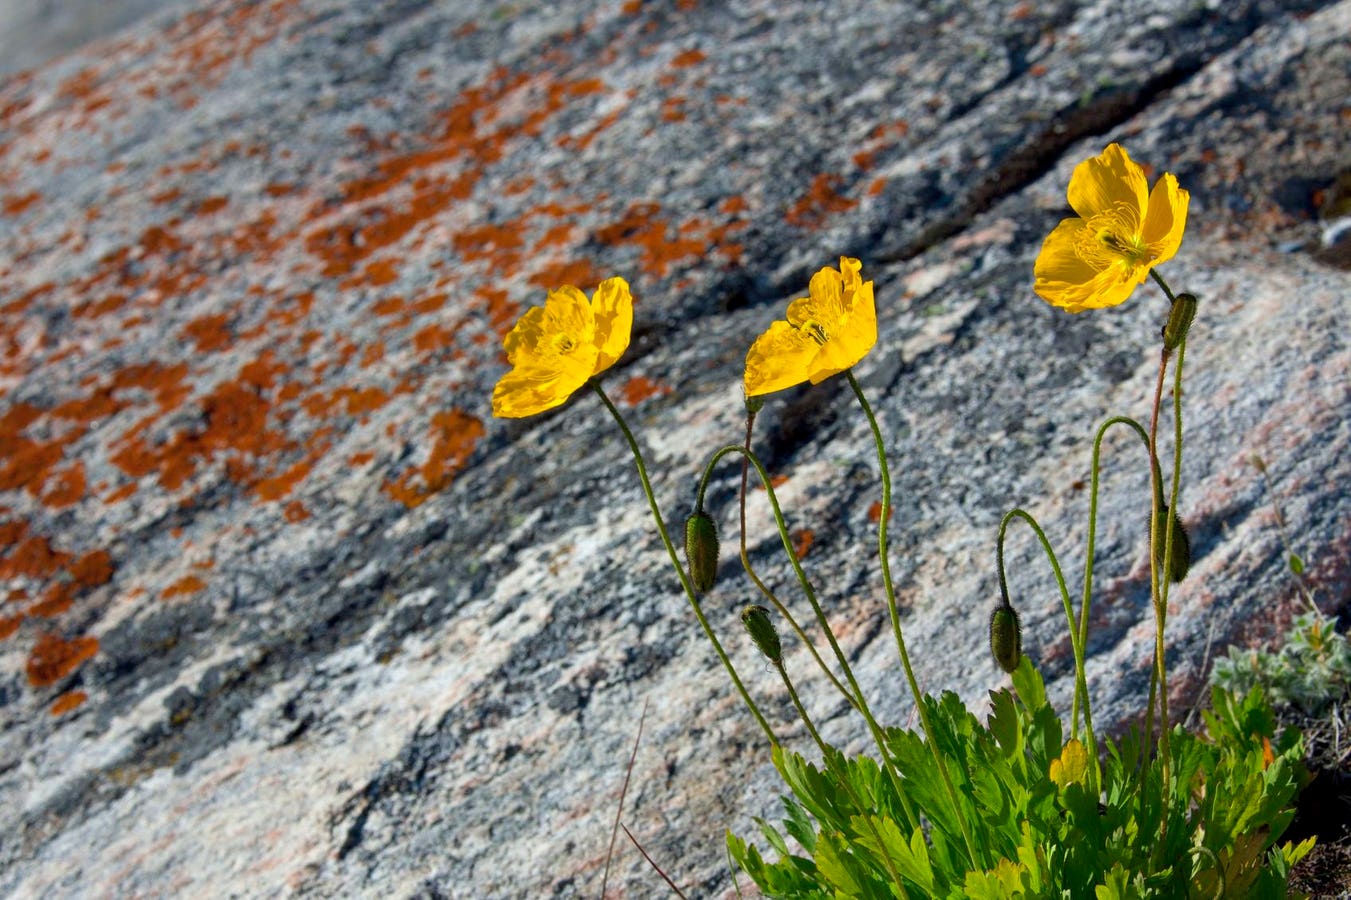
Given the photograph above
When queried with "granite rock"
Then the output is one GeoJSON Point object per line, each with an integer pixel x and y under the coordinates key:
{"type": "Point", "coordinates": [286, 611]}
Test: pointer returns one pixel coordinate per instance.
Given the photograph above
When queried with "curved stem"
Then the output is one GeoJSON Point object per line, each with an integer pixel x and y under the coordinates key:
{"type": "Point", "coordinates": [680, 570]}
{"type": "Point", "coordinates": [855, 696]}
{"type": "Point", "coordinates": [1158, 579]}
{"type": "Point", "coordinates": [755, 578]}
{"type": "Point", "coordinates": [1174, 489]}
{"type": "Point", "coordinates": [1158, 279]}
{"type": "Point", "coordinates": [1089, 551]}
{"type": "Point", "coordinates": [884, 515]}
{"type": "Point", "coordinates": [1080, 684]}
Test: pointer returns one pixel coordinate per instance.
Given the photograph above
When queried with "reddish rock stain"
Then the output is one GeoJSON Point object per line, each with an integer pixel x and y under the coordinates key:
{"type": "Point", "coordinates": [640, 388]}
{"type": "Point", "coordinates": [803, 539]}
{"type": "Point", "coordinates": [67, 702]}
{"type": "Point", "coordinates": [187, 585]}
{"type": "Point", "coordinates": [821, 201]}
{"type": "Point", "coordinates": [53, 658]}
{"type": "Point", "coordinates": [454, 434]}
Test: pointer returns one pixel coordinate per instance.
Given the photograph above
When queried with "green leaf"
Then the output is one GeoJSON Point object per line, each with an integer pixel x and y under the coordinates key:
{"type": "Point", "coordinates": [1296, 564]}
{"type": "Point", "coordinates": [911, 858]}
{"type": "Point", "coordinates": [1003, 882]}
{"type": "Point", "coordinates": [1027, 682]}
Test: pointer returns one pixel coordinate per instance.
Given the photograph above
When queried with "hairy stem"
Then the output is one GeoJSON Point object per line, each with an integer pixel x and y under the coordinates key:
{"type": "Point", "coordinates": [680, 570]}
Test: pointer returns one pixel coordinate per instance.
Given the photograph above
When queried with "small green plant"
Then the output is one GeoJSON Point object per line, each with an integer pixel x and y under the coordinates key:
{"type": "Point", "coordinates": [1025, 803]}
{"type": "Point", "coordinates": [1310, 670]}
{"type": "Point", "coordinates": [1042, 830]}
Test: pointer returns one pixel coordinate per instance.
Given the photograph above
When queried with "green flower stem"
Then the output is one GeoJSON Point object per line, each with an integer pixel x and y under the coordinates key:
{"type": "Point", "coordinates": [1089, 551]}
{"type": "Point", "coordinates": [1158, 578]}
{"type": "Point", "coordinates": [855, 697]}
{"type": "Point", "coordinates": [1164, 580]}
{"type": "Point", "coordinates": [1158, 689]}
{"type": "Point", "coordinates": [1076, 642]}
{"type": "Point", "coordinates": [675, 561]}
{"type": "Point", "coordinates": [848, 785]}
{"type": "Point", "coordinates": [896, 618]}
{"type": "Point", "coordinates": [755, 578]}
{"type": "Point", "coordinates": [1158, 279]}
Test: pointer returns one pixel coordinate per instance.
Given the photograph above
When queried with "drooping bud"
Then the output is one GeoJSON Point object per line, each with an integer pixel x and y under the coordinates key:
{"type": "Point", "coordinates": [1006, 637]}
{"type": "Point", "coordinates": [762, 631]}
{"type": "Point", "coordinates": [1179, 320]}
{"type": "Point", "coordinates": [701, 550]}
{"type": "Point", "coordinates": [1181, 559]}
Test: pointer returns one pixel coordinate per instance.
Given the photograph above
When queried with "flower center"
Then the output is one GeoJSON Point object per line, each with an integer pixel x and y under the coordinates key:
{"type": "Point", "coordinates": [817, 331]}
{"type": "Point", "coordinates": [1115, 238]}
{"type": "Point", "coordinates": [1132, 249]}
{"type": "Point", "coordinates": [563, 343]}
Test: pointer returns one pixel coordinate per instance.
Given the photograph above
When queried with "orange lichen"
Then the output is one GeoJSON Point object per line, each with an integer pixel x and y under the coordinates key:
{"type": "Point", "coordinates": [576, 271]}
{"type": "Point", "coordinates": [92, 569]}
{"type": "Point", "coordinates": [377, 273]}
{"type": "Point", "coordinates": [210, 333]}
{"type": "Point", "coordinates": [33, 557]}
{"type": "Point", "coordinates": [821, 201]}
{"type": "Point", "coordinates": [433, 338]}
{"type": "Point", "coordinates": [53, 658]}
{"type": "Point", "coordinates": [454, 434]}
{"type": "Point", "coordinates": [13, 531]}
{"type": "Point", "coordinates": [67, 702]}
{"type": "Point", "coordinates": [502, 313]}
{"type": "Point", "coordinates": [120, 494]}
{"type": "Point", "coordinates": [188, 584]}
{"type": "Point", "coordinates": [295, 511]}
{"type": "Point", "coordinates": [67, 488]}
{"type": "Point", "coordinates": [9, 625]}
{"type": "Point", "coordinates": [686, 58]}
{"type": "Point", "coordinates": [581, 142]}
{"type": "Point", "coordinates": [640, 388]}
{"type": "Point", "coordinates": [212, 205]}
{"type": "Point", "coordinates": [280, 485]}
{"type": "Point", "coordinates": [643, 227]}
{"type": "Point", "coordinates": [55, 600]}
{"type": "Point", "coordinates": [372, 354]}
{"type": "Point", "coordinates": [802, 542]}
{"type": "Point", "coordinates": [14, 206]}
{"type": "Point", "coordinates": [495, 242]}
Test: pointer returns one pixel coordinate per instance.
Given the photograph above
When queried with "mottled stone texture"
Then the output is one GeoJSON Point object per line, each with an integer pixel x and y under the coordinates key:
{"type": "Point", "coordinates": [285, 610]}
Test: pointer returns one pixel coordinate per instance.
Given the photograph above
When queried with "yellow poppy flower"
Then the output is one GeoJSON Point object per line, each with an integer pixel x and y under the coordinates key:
{"type": "Point", "coordinates": [555, 348]}
{"type": "Point", "coordinates": [1123, 230]}
{"type": "Point", "coordinates": [825, 334]}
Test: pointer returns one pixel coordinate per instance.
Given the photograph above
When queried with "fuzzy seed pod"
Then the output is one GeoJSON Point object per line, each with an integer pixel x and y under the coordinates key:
{"type": "Point", "coordinates": [1006, 637]}
{"type": "Point", "coordinates": [1181, 559]}
{"type": "Point", "coordinates": [1179, 320]}
{"type": "Point", "coordinates": [701, 550]}
{"type": "Point", "coordinates": [762, 631]}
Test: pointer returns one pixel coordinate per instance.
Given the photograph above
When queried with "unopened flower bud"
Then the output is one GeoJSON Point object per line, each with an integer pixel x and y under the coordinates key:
{"type": "Point", "coordinates": [1006, 637]}
{"type": "Point", "coordinates": [762, 631]}
{"type": "Point", "coordinates": [1179, 320]}
{"type": "Point", "coordinates": [701, 550]}
{"type": "Point", "coordinates": [1181, 558]}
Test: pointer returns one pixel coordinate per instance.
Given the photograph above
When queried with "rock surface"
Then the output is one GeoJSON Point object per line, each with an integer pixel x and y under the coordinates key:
{"type": "Point", "coordinates": [285, 610]}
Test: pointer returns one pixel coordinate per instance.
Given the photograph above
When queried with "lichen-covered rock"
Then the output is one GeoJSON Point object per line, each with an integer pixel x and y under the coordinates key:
{"type": "Point", "coordinates": [284, 608]}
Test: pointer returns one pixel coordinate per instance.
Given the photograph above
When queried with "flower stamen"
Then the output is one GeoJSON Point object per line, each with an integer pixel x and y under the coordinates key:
{"type": "Point", "coordinates": [817, 332]}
